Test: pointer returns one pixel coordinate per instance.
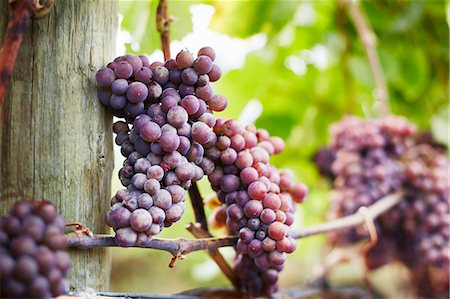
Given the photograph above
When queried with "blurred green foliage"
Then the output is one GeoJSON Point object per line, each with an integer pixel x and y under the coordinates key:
{"type": "Point", "coordinates": [413, 47]}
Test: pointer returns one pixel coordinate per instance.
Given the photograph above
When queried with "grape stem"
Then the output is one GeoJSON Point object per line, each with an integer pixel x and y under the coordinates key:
{"type": "Point", "coordinates": [369, 42]}
{"type": "Point", "coordinates": [200, 230]}
{"type": "Point", "coordinates": [19, 15]}
{"type": "Point", "coordinates": [163, 26]}
{"type": "Point", "coordinates": [181, 246]}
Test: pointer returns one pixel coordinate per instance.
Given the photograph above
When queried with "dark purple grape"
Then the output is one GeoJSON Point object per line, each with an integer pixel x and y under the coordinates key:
{"type": "Point", "coordinates": [186, 90]}
{"type": "Point", "coordinates": [104, 96]}
{"type": "Point", "coordinates": [229, 183]}
{"type": "Point", "coordinates": [118, 101]}
{"type": "Point", "coordinates": [175, 76]}
{"type": "Point", "coordinates": [132, 110]}
{"type": "Point", "coordinates": [189, 76]}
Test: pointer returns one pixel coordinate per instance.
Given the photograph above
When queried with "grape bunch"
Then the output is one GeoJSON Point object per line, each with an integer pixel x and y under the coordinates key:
{"type": "Point", "coordinates": [257, 202]}
{"type": "Point", "coordinates": [33, 260]}
{"type": "Point", "coordinates": [163, 142]}
{"type": "Point", "coordinates": [378, 157]}
{"type": "Point", "coordinates": [425, 211]}
{"type": "Point", "coordinates": [366, 167]}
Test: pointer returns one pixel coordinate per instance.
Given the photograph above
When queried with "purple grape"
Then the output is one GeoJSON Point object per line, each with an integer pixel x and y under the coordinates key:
{"type": "Point", "coordinates": [175, 76]}
{"type": "Point", "coordinates": [140, 220]}
{"type": "Point", "coordinates": [200, 132]}
{"type": "Point", "coordinates": [204, 92]}
{"type": "Point", "coordinates": [184, 59]}
{"type": "Point", "coordinates": [177, 116]}
{"type": "Point", "coordinates": [150, 132]}
{"type": "Point", "coordinates": [189, 76]}
{"type": "Point", "coordinates": [125, 237]}
{"type": "Point", "coordinates": [215, 73]}
{"type": "Point", "coordinates": [123, 70]}
{"type": "Point", "coordinates": [186, 90]}
{"type": "Point", "coordinates": [119, 86]}
{"type": "Point", "coordinates": [207, 51]}
{"type": "Point", "coordinates": [158, 214]}
{"type": "Point", "coordinates": [229, 183]}
{"type": "Point", "coordinates": [177, 192]}
{"type": "Point", "coordinates": [144, 75]}
{"type": "Point", "coordinates": [105, 77]}
{"type": "Point", "coordinates": [217, 102]}
{"type": "Point", "coordinates": [104, 96]}
{"type": "Point", "coordinates": [190, 104]}
{"type": "Point", "coordinates": [162, 199]}
{"type": "Point", "coordinates": [203, 64]}
{"type": "Point", "coordinates": [145, 201]}
{"type": "Point", "coordinates": [161, 75]}
{"type": "Point", "coordinates": [169, 141]}
{"type": "Point", "coordinates": [134, 60]}
{"type": "Point", "coordinates": [185, 171]}
{"type": "Point", "coordinates": [137, 92]}
{"type": "Point", "coordinates": [154, 90]}
{"type": "Point", "coordinates": [132, 110]}
{"type": "Point", "coordinates": [184, 146]}
{"type": "Point", "coordinates": [151, 186]}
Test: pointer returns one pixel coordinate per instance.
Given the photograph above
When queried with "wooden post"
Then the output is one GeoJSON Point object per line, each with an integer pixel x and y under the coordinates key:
{"type": "Point", "coordinates": [57, 142]}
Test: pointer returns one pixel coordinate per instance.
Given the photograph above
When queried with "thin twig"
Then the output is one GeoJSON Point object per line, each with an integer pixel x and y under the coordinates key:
{"type": "Point", "coordinates": [354, 220]}
{"type": "Point", "coordinates": [183, 246]}
{"type": "Point", "coordinates": [163, 26]}
{"type": "Point", "coordinates": [197, 205]}
{"type": "Point", "coordinates": [369, 41]}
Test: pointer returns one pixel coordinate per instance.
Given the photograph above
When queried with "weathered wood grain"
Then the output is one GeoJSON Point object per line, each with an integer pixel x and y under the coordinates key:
{"type": "Point", "coordinates": [57, 141]}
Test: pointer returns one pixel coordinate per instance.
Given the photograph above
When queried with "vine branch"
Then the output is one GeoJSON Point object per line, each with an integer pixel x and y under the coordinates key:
{"type": "Point", "coordinates": [163, 26]}
{"type": "Point", "coordinates": [183, 246]}
{"type": "Point", "coordinates": [369, 42]}
{"type": "Point", "coordinates": [20, 14]}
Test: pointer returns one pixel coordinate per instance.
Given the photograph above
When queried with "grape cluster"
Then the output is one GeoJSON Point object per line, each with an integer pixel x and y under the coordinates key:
{"type": "Point", "coordinates": [130, 84]}
{"type": "Point", "coordinates": [425, 212]}
{"type": "Point", "coordinates": [366, 166]}
{"type": "Point", "coordinates": [258, 202]}
{"type": "Point", "coordinates": [33, 260]}
{"type": "Point", "coordinates": [378, 157]}
{"type": "Point", "coordinates": [164, 148]}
